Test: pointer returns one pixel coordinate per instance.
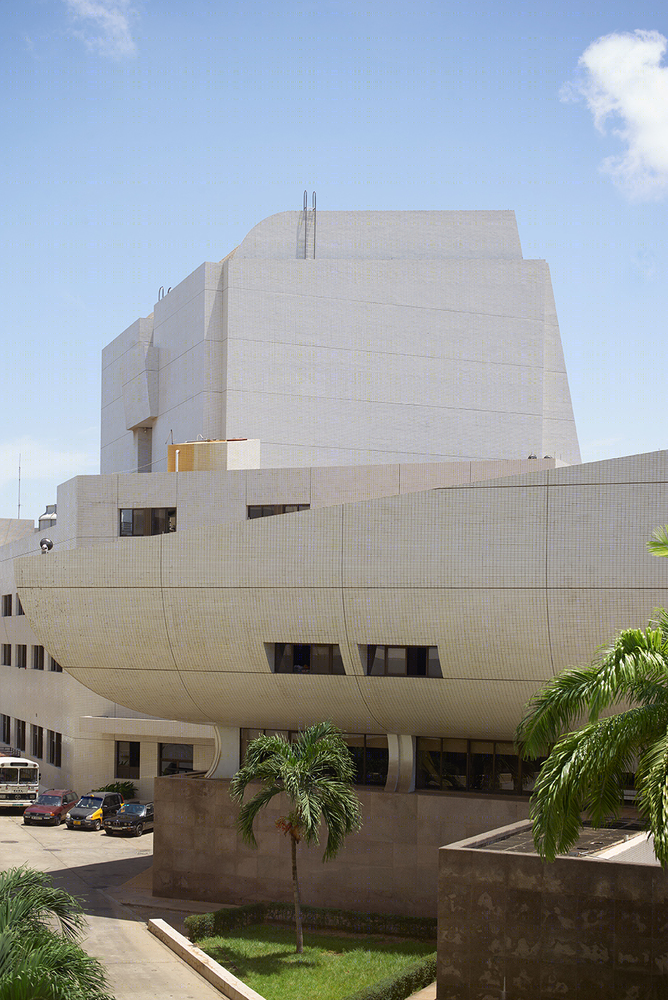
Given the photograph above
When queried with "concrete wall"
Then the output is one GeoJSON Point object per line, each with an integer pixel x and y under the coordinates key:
{"type": "Point", "coordinates": [389, 866]}
{"type": "Point", "coordinates": [411, 336]}
{"type": "Point", "coordinates": [580, 928]}
{"type": "Point", "coordinates": [88, 723]}
{"type": "Point", "coordinates": [513, 581]}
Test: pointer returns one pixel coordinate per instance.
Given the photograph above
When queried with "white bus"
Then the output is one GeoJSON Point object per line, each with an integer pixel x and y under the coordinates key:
{"type": "Point", "coordinates": [19, 779]}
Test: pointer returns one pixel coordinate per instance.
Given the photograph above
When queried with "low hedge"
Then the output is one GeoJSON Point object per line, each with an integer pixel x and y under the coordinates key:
{"type": "Point", "coordinates": [220, 922]}
{"type": "Point", "coordinates": [413, 979]}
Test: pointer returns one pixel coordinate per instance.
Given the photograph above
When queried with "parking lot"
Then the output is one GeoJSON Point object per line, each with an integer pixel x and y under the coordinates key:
{"type": "Point", "coordinates": [92, 866]}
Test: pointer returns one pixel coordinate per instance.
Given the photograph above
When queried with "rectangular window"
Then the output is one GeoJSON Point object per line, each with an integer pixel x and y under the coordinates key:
{"type": "Point", "coordinates": [6, 654]}
{"type": "Point", "coordinates": [175, 758]}
{"type": "Point", "coordinates": [20, 734]}
{"type": "Point", "coordinates": [55, 747]}
{"type": "Point", "coordinates": [5, 729]}
{"type": "Point", "coordinates": [21, 655]}
{"type": "Point", "coordinates": [37, 741]}
{"type": "Point", "coordinates": [38, 657]}
{"type": "Point", "coordinates": [19, 606]}
{"type": "Point", "coordinates": [141, 521]}
{"type": "Point", "coordinates": [54, 666]}
{"type": "Point", "coordinates": [127, 759]}
{"type": "Point", "coordinates": [460, 765]}
{"type": "Point", "coordinates": [369, 753]}
{"type": "Point", "coordinates": [269, 509]}
{"type": "Point", "coordinates": [300, 658]}
{"type": "Point", "coordinates": [403, 661]}
{"type": "Point", "coordinates": [6, 605]}
{"type": "Point", "coordinates": [370, 756]}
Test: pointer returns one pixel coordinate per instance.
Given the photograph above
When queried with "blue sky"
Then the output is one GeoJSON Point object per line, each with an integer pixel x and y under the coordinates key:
{"type": "Point", "coordinates": [142, 137]}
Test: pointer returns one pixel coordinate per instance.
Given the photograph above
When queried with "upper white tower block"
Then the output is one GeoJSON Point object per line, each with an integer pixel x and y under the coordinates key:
{"type": "Point", "coordinates": [347, 338]}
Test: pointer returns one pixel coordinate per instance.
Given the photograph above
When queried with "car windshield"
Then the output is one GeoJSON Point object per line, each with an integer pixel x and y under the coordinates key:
{"type": "Point", "coordinates": [49, 800]}
{"type": "Point", "coordinates": [134, 808]}
{"type": "Point", "coordinates": [89, 802]}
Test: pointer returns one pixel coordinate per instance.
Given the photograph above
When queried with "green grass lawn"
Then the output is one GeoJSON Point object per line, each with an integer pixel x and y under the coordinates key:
{"type": "Point", "coordinates": [332, 966]}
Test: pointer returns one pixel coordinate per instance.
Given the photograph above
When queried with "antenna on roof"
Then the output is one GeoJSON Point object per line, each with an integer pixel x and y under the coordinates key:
{"type": "Point", "coordinates": [18, 513]}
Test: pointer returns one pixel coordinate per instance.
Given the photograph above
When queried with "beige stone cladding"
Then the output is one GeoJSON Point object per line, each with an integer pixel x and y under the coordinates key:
{"type": "Point", "coordinates": [52, 701]}
{"type": "Point", "coordinates": [512, 580]}
{"type": "Point", "coordinates": [408, 337]}
{"type": "Point", "coordinates": [583, 927]}
{"type": "Point", "coordinates": [390, 866]}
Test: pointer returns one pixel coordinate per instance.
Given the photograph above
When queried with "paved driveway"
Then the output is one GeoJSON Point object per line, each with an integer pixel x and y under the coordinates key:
{"type": "Point", "coordinates": [88, 864]}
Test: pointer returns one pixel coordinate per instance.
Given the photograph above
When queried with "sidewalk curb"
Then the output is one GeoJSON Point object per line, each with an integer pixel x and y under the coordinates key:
{"type": "Point", "coordinates": [217, 975]}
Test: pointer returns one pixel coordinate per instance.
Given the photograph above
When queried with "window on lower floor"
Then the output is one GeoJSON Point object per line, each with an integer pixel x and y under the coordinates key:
{"type": "Point", "coordinates": [370, 755]}
{"type": "Point", "coordinates": [175, 758]}
{"type": "Point", "coordinates": [38, 657]}
{"type": "Point", "coordinates": [6, 654]}
{"type": "Point", "coordinates": [5, 729]}
{"type": "Point", "coordinates": [403, 661]}
{"type": "Point", "coordinates": [55, 747]}
{"type": "Point", "coordinates": [312, 658]}
{"type": "Point", "coordinates": [127, 759]}
{"type": "Point", "coordinates": [269, 509]}
{"type": "Point", "coordinates": [474, 766]}
{"type": "Point", "coordinates": [55, 666]}
{"type": "Point", "coordinates": [21, 655]}
{"type": "Point", "coordinates": [20, 734]}
{"type": "Point", "coordinates": [6, 605]}
{"type": "Point", "coordinates": [139, 521]}
{"type": "Point", "coordinates": [37, 741]}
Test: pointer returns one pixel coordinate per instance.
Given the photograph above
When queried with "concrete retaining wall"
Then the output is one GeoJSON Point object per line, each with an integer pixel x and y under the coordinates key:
{"type": "Point", "coordinates": [390, 866]}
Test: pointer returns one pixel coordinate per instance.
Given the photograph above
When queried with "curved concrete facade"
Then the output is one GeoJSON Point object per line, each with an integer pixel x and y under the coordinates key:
{"type": "Point", "coordinates": [512, 580]}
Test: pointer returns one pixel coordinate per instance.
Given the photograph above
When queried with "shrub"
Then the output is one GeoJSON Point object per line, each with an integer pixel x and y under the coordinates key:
{"type": "Point", "coordinates": [220, 922]}
{"type": "Point", "coordinates": [127, 789]}
{"type": "Point", "coordinates": [410, 981]}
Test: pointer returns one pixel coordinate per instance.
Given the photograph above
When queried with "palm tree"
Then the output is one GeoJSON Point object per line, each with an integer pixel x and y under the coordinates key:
{"type": "Point", "coordinates": [587, 769]}
{"type": "Point", "coordinates": [38, 962]}
{"type": "Point", "coordinates": [316, 773]}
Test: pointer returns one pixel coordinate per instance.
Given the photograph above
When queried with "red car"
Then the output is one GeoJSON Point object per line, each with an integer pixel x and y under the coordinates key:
{"type": "Point", "coordinates": [51, 806]}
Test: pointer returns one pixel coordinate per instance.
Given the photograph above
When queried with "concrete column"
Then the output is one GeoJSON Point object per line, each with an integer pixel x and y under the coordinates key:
{"type": "Point", "coordinates": [401, 764]}
{"type": "Point", "coordinates": [225, 761]}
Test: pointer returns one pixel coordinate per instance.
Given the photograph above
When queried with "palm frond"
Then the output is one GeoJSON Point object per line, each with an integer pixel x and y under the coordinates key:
{"type": "Point", "coordinates": [35, 900]}
{"type": "Point", "coordinates": [658, 544]}
{"type": "Point", "coordinates": [634, 668]}
{"type": "Point", "coordinates": [315, 773]}
{"type": "Point", "coordinates": [585, 774]}
{"type": "Point", "coordinates": [652, 786]}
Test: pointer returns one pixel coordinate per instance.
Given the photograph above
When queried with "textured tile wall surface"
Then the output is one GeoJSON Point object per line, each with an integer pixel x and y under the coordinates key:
{"type": "Point", "coordinates": [577, 928]}
{"type": "Point", "coordinates": [390, 866]}
{"type": "Point", "coordinates": [411, 336]}
{"type": "Point", "coordinates": [512, 582]}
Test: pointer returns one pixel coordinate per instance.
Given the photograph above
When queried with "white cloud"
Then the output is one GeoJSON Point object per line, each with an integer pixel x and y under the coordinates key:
{"type": "Point", "coordinates": [624, 83]}
{"type": "Point", "coordinates": [107, 25]}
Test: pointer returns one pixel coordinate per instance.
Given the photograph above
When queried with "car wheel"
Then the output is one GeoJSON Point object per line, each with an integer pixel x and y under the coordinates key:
{"type": "Point", "coordinates": [97, 826]}
{"type": "Point", "coordinates": [108, 833]}
{"type": "Point", "coordinates": [26, 822]}
{"type": "Point", "coordinates": [57, 821]}
{"type": "Point", "coordinates": [139, 829]}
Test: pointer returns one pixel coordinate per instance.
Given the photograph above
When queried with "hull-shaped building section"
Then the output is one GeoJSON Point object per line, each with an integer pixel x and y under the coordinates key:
{"type": "Point", "coordinates": [509, 581]}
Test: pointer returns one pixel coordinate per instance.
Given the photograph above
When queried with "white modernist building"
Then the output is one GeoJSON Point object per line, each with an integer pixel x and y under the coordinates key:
{"type": "Point", "coordinates": [393, 385]}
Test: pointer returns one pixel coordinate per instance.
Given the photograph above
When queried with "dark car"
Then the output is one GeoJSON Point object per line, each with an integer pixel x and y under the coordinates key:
{"type": "Point", "coordinates": [92, 809]}
{"type": "Point", "coordinates": [132, 817]}
{"type": "Point", "coordinates": [51, 806]}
